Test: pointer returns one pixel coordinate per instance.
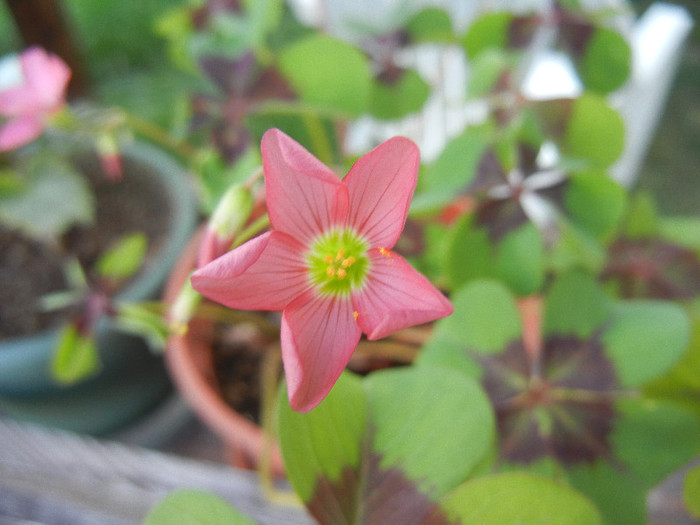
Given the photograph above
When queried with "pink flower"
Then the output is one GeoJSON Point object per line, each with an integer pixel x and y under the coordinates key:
{"type": "Point", "coordinates": [327, 264]}
{"type": "Point", "coordinates": [27, 106]}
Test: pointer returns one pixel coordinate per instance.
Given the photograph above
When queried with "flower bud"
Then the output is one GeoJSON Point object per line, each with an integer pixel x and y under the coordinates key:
{"type": "Point", "coordinates": [183, 308]}
{"type": "Point", "coordinates": [110, 158]}
{"type": "Point", "coordinates": [231, 214]}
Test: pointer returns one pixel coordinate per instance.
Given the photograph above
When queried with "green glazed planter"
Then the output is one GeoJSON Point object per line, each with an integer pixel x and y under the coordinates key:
{"type": "Point", "coordinates": [132, 379]}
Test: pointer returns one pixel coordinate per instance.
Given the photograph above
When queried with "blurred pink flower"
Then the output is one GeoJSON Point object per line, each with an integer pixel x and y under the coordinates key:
{"type": "Point", "coordinates": [327, 264]}
{"type": "Point", "coordinates": [28, 105]}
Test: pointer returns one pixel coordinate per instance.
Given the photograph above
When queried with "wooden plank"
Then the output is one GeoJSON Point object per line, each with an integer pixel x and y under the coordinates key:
{"type": "Point", "coordinates": [54, 477]}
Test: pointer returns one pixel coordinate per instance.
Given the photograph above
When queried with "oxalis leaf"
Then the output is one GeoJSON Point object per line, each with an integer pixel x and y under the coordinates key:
{"type": "Point", "coordinates": [329, 73]}
{"type": "Point", "coordinates": [124, 258]}
{"type": "Point", "coordinates": [75, 356]}
{"type": "Point", "coordinates": [645, 339]}
{"type": "Point", "coordinates": [691, 491]}
{"type": "Point", "coordinates": [56, 198]}
{"type": "Point", "coordinates": [519, 498]}
{"type": "Point", "coordinates": [195, 507]}
{"type": "Point", "coordinates": [367, 454]}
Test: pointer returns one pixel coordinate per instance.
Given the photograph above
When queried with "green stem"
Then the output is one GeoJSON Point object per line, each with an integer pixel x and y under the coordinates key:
{"type": "Point", "coordinates": [270, 374]}
{"type": "Point", "coordinates": [319, 138]}
{"type": "Point", "coordinates": [252, 230]}
{"type": "Point", "coordinates": [161, 137]}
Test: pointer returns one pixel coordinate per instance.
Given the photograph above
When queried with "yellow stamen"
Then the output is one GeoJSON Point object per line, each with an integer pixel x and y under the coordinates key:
{"type": "Point", "coordinates": [328, 259]}
{"type": "Point", "coordinates": [355, 315]}
{"type": "Point", "coordinates": [341, 254]}
{"type": "Point", "coordinates": [330, 271]}
{"type": "Point", "coordinates": [385, 252]}
{"type": "Point", "coordinates": [341, 274]}
{"type": "Point", "coordinates": [347, 263]}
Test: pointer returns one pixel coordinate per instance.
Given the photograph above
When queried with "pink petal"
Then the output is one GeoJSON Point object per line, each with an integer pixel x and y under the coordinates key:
{"type": "Point", "coordinates": [265, 273]}
{"type": "Point", "coordinates": [47, 77]}
{"type": "Point", "coordinates": [396, 296]}
{"type": "Point", "coordinates": [304, 197]}
{"type": "Point", "coordinates": [319, 334]}
{"type": "Point", "coordinates": [381, 185]}
{"type": "Point", "coordinates": [20, 131]}
{"type": "Point", "coordinates": [18, 101]}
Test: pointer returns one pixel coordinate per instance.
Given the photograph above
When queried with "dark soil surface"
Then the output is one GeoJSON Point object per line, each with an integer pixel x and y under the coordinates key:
{"type": "Point", "coordinates": [30, 269]}
{"type": "Point", "coordinates": [238, 358]}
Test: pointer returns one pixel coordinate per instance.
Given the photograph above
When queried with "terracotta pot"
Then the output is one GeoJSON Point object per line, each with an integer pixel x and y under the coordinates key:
{"type": "Point", "coordinates": [189, 359]}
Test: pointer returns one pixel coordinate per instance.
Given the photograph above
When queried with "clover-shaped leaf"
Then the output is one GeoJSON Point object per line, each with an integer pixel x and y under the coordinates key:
{"type": "Point", "coordinates": [691, 491]}
{"type": "Point", "coordinates": [361, 457]}
{"type": "Point", "coordinates": [522, 498]}
{"type": "Point", "coordinates": [55, 198]}
{"type": "Point", "coordinates": [328, 73]}
{"type": "Point", "coordinates": [393, 98]}
{"type": "Point", "coordinates": [430, 25]}
{"type": "Point", "coordinates": [499, 30]}
{"type": "Point", "coordinates": [195, 507]}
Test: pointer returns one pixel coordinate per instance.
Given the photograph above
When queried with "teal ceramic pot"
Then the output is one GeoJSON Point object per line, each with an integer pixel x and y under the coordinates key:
{"type": "Point", "coordinates": [132, 379]}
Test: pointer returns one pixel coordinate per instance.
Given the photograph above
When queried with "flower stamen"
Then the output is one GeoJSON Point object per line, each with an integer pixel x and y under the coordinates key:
{"type": "Point", "coordinates": [338, 262]}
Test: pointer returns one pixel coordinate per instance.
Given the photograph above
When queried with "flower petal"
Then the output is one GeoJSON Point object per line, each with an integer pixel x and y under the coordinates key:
{"type": "Point", "coordinates": [265, 273]}
{"type": "Point", "coordinates": [381, 185]}
{"type": "Point", "coordinates": [47, 77]}
{"type": "Point", "coordinates": [396, 296]}
{"type": "Point", "coordinates": [319, 334]}
{"type": "Point", "coordinates": [45, 81]}
{"type": "Point", "coordinates": [18, 101]}
{"type": "Point", "coordinates": [304, 197]}
{"type": "Point", "coordinates": [19, 131]}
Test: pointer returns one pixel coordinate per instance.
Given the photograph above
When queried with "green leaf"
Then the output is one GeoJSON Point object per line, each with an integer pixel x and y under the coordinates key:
{"type": "Point", "coordinates": [431, 25]}
{"type": "Point", "coordinates": [619, 496]}
{"type": "Point", "coordinates": [691, 491]}
{"type": "Point", "coordinates": [232, 34]}
{"type": "Point", "coordinates": [485, 317]}
{"type": "Point", "coordinates": [329, 73]}
{"type": "Point", "coordinates": [595, 202]}
{"type": "Point", "coordinates": [486, 70]}
{"type": "Point", "coordinates": [654, 438]}
{"type": "Point", "coordinates": [446, 407]}
{"type": "Point", "coordinates": [56, 197]}
{"type": "Point", "coordinates": [361, 454]}
{"type": "Point", "coordinates": [456, 166]}
{"type": "Point", "coordinates": [469, 254]}
{"type": "Point", "coordinates": [519, 498]}
{"type": "Point", "coordinates": [311, 127]}
{"type": "Point", "coordinates": [175, 25]}
{"type": "Point", "coordinates": [681, 230]}
{"type": "Point", "coordinates": [487, 32]}
{"type": "Point", "coordinates": [682, 382]}
{"type": "Point", "coordinates": [148, 322]}
{"type": "Point", "coordinates": [396, 100]}
{"type": "Point", "coordinates": [124, 258]}
{"type": "Point", "coordinates": [645, 339]}
{"type": "Point", "coordinates": [520, 259]}
{"type": "Point", "coordinates": [447, 353]}
{"type": "Point", "coordinates": [641, 217]}
{"type": "Point", "coordinates": [326, 442]}
{"type": "Point", "coordinates": [75, 356]}
{"type": "Point", "coordinates": [594, 132]}
{"type": "Point", "coordinates": [606, 62]}
{"type": "Point", "coordinates": [193, 507]}
{"type": "Point", "coordinates": [11, 183]}
{"type": "Point", "coordinates": [575, 304]}
{"type": "Point", "coordinates": [575, 248]}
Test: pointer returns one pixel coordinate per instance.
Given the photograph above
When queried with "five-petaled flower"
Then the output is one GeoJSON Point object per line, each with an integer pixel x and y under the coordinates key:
{"type": "Point", "coordinates": [39, 93]}
{"type": "Point", "coordinates": [327, 263]}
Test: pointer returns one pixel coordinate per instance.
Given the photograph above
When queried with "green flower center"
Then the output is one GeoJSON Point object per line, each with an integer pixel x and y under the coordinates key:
{"type": "Point", "coordinates": [338, 262]}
